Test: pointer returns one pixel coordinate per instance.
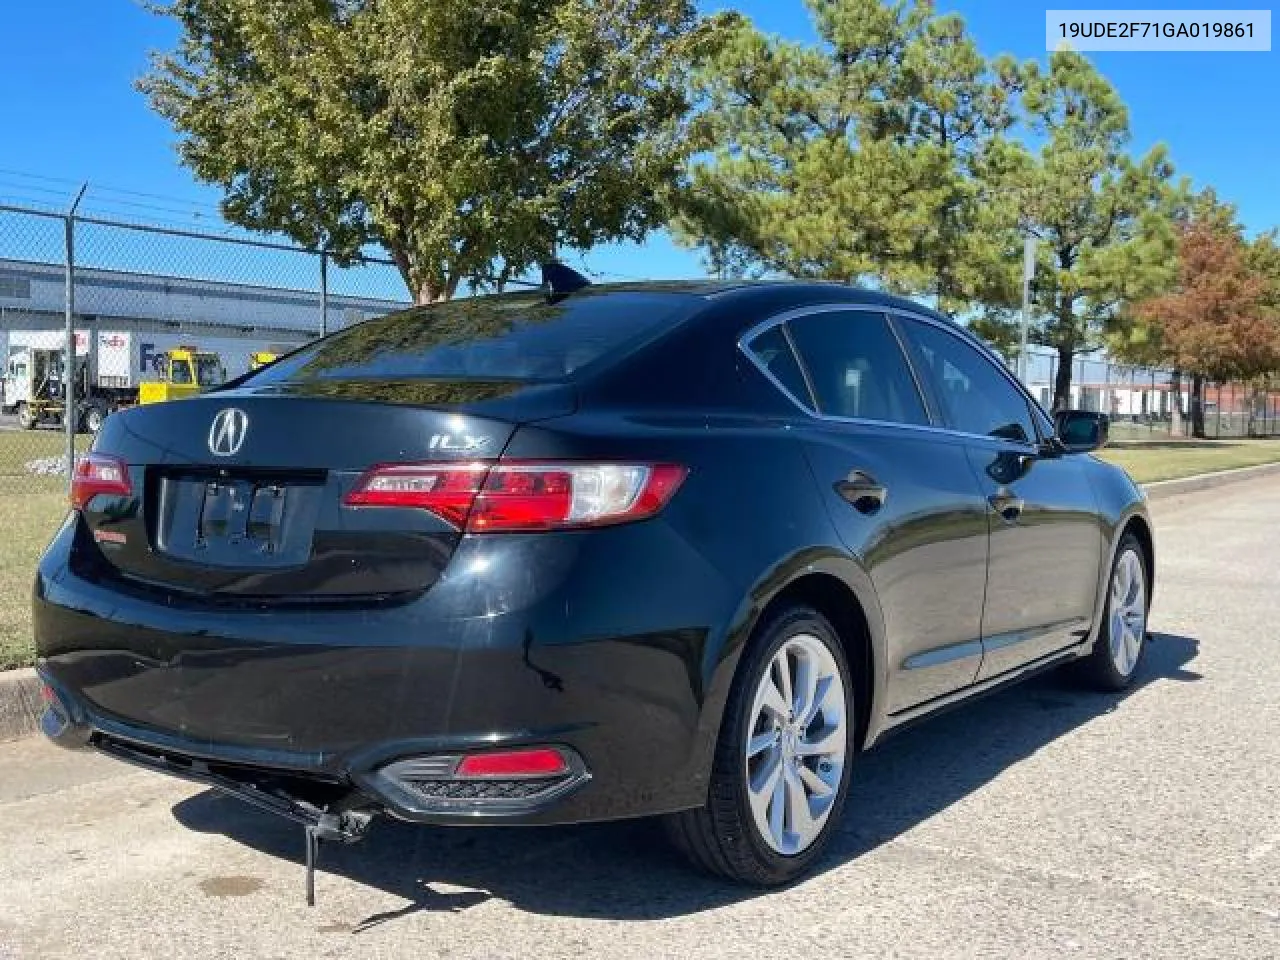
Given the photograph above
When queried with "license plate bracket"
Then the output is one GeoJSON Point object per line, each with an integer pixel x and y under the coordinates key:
{"type": "Point", "coordinates": [237, 522]}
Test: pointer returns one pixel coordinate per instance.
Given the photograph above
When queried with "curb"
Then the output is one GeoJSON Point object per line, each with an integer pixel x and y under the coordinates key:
{"type": "Point", "coordinates": [1163, 489]}
{"type": "Point", "coordinates": [20, 703]}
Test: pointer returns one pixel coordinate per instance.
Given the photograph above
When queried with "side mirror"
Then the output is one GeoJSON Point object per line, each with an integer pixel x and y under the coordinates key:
{"type": "Point", "coordinates": [1081, 431]}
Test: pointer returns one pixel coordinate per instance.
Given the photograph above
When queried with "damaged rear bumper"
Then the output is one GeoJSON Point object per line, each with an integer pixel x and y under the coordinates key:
{"type": "Point", "coordinates": [304, 788]}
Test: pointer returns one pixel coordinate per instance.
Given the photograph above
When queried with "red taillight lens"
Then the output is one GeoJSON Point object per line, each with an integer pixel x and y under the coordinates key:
{"type": "Point", "coordinates": [537, 762]}
{"type": "Point", "coordinates": [523, 496]}
{"type": "Point", "coordinates": [447, 490]}
{"type": "Point", "coordinates": [97, 473]}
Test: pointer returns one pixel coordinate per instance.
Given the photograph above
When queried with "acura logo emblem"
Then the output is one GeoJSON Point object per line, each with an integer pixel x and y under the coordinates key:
{"type": "Point", "coordinates": [226, 436]}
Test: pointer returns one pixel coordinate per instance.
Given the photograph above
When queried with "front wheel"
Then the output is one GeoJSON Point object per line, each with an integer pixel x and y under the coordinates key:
{"type": "Point", "coordinates": [1122, 637]}
{"type": "Point", "coordinates": [26, 419]}
{"type": "Point", "coordinates": [781, 768]}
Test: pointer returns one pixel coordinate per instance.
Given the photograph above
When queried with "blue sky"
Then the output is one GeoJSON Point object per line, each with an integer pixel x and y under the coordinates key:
{"type": "Point", "coordinates": [70, 112]}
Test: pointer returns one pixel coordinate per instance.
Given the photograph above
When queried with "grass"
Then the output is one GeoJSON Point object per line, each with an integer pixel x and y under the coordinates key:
{"type": "Point", "coordinates": [1170, 459]}
{"type": "Point", "coordinates": [31, 507]}
{"type": "Point", "coordinates": [28, 521]}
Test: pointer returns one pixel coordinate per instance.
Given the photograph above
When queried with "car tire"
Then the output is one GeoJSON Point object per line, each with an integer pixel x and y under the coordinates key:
{"type": "Point", "coordinates": [91, 420]}
{"type": "Point", "coordinates": [26, 419]}
{"type": "Point", "coordinates": [1121, 644]}
{"type": "Point", "coordinates": [729, 835]}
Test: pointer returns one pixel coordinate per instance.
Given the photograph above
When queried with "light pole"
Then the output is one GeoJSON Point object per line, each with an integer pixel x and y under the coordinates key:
{"type": "Point", "coordinates": [1028, 272]}
{"type": "Point", "coordinates": [69, 303]}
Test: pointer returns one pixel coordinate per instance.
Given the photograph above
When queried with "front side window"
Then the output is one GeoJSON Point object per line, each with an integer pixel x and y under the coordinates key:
{"type": "Point", "coordinates": [975, 395]}
{"type": "Point", "coordinates": [857, 367]}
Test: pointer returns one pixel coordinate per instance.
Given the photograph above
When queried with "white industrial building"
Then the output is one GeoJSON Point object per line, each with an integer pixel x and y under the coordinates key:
{"type": "Point", "coordinates": [32, 297]}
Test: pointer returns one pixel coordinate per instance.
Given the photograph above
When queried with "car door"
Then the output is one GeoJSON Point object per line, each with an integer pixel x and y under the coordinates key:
{"type": "Point", "coordinates": [1046, 536]}
{"type": "Point", "coordinates": [900, 494]}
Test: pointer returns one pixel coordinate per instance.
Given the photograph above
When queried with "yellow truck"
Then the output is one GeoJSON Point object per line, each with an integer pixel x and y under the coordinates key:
{"type": "Point", "coordinates": [182, 372]}
{"type": "Point", "coordinates": [260, 358]}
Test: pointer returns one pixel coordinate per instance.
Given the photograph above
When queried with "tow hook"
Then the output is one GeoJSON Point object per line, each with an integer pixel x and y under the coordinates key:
{"type": "Point", "coordinates": [349, 826]}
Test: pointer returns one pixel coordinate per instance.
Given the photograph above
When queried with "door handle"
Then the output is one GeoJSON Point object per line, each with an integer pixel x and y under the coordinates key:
{"type": "Point", "coordinates": [863, 491]}
{"type": "Point", "coordinates": [1007, 505]}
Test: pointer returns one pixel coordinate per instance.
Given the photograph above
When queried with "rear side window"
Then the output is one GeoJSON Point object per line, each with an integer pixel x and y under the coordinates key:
{"type": "Point", "coordinates": [857, 367]}
{"type": "Point", "coordinates": [975, 395]}
{"type": "Point", "coordinates": [515, 337]}
{"type": "Point", "coordinates": [774, 353]}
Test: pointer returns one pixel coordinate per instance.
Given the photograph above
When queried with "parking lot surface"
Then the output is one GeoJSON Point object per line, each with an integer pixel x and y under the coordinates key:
{"type": "Point", "coordinates": [1041, 822]}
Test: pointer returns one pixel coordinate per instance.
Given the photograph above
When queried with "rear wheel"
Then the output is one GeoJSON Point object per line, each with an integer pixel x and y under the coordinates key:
{"type": "Point", "coordinates": [1122, 637]}
{"type": "Point", "coordinates": [26, 419]}
{"type": "Point", "coordinates": [781, 769]}
{"type": "Point", "coordinates": [91, 420]}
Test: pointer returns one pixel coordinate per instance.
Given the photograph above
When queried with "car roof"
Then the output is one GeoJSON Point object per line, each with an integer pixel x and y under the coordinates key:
{"type": "Point", "coordinates": [804, 291]}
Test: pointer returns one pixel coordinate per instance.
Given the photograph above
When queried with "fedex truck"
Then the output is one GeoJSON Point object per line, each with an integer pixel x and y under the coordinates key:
{"type": "Point", "coordinates": [120, 368]}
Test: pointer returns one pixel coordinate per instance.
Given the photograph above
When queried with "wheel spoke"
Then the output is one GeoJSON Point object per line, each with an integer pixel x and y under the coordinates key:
{"type": "Point", "coordinates": [799, 816]}
{"type": "Point", "coordinates": [821, 693]}
{"type": "Point", "coordinates": [828, 741]}
{"type": "Point", "coordinates": [816, 785]}
{"type": "Point", "coordinates": [772, 699]}
{"type": "Point", "coordinates": [760, 743]}
{"type": "Point", "coordinates": [782, 662]}
{"type": "Point", "coordinates": [777, 808]}
{"type": "Point", "coordinates": [1119, 584]}
{"type": "Point", "coordinates": [806, 686]}
{"type": "Point", "coordinates": [761, 790]}
{"type": "Point", "coordinates": [1133, 645]}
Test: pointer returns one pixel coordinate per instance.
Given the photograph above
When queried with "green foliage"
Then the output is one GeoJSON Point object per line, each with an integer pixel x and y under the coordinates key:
{"type": "Point", "coordinates": [471, 140]}
{"type": "Point", "coordinates": [867, 155]}
{"type": "Point", "coordinates": [1104, 220]}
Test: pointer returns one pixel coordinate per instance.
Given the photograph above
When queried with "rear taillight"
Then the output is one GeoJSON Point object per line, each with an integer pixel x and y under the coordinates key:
{"type": "Point", "coordinates": [97, 473]}
{"type": "Point", "coordinates": [445, 489]}
{"type": "Point", "coordinates": [522, 496]}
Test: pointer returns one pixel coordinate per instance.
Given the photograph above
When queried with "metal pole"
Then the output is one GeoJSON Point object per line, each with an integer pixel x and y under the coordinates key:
{"type": "Point", "coordinates": [324, 293]}
{"type": "Point", "coordinates": [69, 370]}
{"type": "Point", "coordinates": [1028, 271]}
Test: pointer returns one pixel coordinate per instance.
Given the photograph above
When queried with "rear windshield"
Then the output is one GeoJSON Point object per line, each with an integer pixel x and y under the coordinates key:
{"type": "Point", "coordinates": [509, 337]}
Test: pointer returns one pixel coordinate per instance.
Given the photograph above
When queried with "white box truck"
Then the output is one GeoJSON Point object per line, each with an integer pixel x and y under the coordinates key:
{"type": "Point", "coordinates": [120, 368]}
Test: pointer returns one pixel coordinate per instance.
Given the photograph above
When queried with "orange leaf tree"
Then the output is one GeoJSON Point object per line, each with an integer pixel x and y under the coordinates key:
{"type": "Point", "coordinates": [1218, 322]}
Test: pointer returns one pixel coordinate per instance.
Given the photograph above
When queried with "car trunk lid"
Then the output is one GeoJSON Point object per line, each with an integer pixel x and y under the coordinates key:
{"type": "Point", "coordinates": [238, 496]}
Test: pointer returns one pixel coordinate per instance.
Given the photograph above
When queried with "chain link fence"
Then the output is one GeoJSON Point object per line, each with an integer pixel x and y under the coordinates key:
{"type": "Point", "coordinates": [1148, 405]}
{"type": "Point", "coordinates": [158, 313]}
{"type": "Point", "coordinates": [162, 312]}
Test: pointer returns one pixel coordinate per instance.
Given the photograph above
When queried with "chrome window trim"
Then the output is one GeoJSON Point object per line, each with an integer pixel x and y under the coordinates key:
{"type": "Point", "coordinates": [768, 323]}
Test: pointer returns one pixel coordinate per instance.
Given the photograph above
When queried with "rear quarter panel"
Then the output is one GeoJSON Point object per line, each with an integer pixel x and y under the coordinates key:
{"type": "Point", "coordinates": [749, 509]}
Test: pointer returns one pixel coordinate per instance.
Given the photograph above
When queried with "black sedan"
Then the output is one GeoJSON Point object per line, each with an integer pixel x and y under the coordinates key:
{"type": "Point", "coordinates": [551, 557]}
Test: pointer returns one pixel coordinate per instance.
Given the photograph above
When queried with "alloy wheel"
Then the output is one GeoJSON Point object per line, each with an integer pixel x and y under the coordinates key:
{"type": "Point", "coordinates": [1128, 612]}
{"type": "Point", "coordinates": [796, 745]}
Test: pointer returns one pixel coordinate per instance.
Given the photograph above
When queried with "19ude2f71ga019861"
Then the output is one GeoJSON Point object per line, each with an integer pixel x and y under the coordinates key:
{"type": "Point", "coordinates": [659, 549]}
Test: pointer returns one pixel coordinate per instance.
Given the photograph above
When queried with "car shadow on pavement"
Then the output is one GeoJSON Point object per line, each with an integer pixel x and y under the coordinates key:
{"type": "Point", "coordinates": [625, 871]}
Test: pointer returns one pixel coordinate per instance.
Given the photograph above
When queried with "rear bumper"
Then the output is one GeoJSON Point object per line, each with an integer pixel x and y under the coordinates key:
{"type": "Point", "coordinates": [325, 700]}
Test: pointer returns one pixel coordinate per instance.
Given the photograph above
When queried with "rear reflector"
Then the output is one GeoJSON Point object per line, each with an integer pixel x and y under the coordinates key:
{"type": "Point", "coordinates": [97, 473]}
{"type": "Point", "coordinates": [522, 496]}
{"type": "Point", "coordinates": [538, 762]}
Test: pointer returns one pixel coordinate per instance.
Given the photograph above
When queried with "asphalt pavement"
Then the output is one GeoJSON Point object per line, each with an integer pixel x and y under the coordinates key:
{"type": "Point", "coordinates": [1041, 822]}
